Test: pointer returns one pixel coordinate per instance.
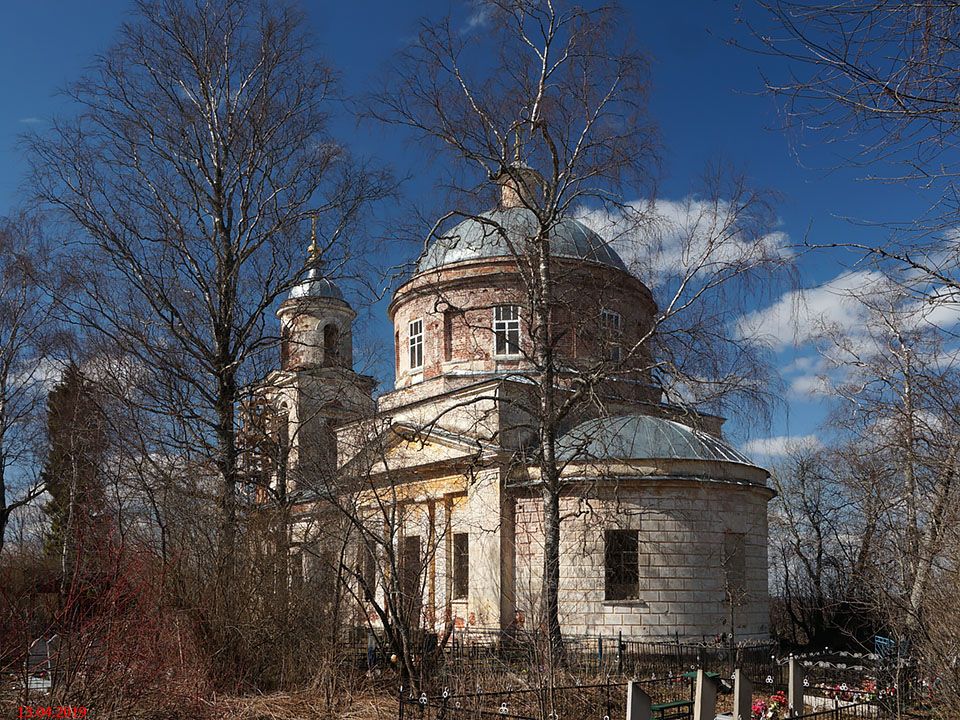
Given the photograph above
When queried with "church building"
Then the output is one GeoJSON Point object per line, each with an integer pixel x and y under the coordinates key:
{"type": "Point", "coordinates": [664, 524]}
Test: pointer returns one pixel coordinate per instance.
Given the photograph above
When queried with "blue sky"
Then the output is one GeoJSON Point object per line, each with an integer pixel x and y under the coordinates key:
{"type": "Point", "coordinates": [707, 99]}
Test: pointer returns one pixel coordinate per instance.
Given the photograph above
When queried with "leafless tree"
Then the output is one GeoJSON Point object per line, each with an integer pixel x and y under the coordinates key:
{"type": "Point", "coordinates": [881, 80]}
{"type": "Point", "coordinates": [863, 526]}
{"type": "Point", "coordinates": [899, 402]}
{"type": "Point", "coordinates": [826, 529]}
{"type": "Point", "coordinates": [550, 100]}
{"type": "Point", "coordinates": [199, 146]}
{"type": "Point", "coordinates": [25, 330]}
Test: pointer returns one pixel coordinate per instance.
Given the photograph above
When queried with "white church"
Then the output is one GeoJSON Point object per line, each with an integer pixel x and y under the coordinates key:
{"type": "Point", "coordinates": [664, 524]}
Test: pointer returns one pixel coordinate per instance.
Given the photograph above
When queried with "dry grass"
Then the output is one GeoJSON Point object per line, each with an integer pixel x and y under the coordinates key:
{"type": "Point", "coordinates": [364, 705]}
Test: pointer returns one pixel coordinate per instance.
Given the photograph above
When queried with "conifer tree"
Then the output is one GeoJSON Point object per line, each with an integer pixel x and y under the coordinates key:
{"type": "Point", "coordinates": [72, 473]}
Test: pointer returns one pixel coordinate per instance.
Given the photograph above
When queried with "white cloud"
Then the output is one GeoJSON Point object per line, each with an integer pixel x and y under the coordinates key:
{"type": "Point", "coordinates": [939, 311]}
{"type": "Point", "coordinates": [31, 120]}
{"type": "Point", "coordinates": [782, 445]}
{"type": "Point", "coordinates": [801, 315]}
{"type": "Point", "coordinates": [666, 239]}
{"type": "Point", "coordinates": [480, 15]}
{"type": "Point", "coordinates": [806, 386]}
{"type": "Point", "coordinates": [842, 305]}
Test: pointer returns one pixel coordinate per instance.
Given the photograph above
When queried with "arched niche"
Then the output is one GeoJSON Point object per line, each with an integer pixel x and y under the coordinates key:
{"type": "Point", "coordinates": [331, 344]}
{"type": "Point", "coordinates": [285, 347]}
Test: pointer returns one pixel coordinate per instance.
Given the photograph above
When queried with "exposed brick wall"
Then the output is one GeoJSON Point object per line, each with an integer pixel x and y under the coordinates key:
{"type": "Point", "coordinates": [456, 304]}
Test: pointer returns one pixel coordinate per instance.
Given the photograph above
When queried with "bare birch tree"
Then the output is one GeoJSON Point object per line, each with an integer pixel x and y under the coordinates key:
{"type": "Point", "coordinates": [880, 81]}
{"type": "Point", "coordinates": [199, 147]}
{"type": "Point", "coordinates": [25, 329]}
{"type": "Point", "coordinates": [864, 525]}
{"type": "Point", "coordinates": [898, 401]}
{"type": "Point", "coordinates": [828, 528]}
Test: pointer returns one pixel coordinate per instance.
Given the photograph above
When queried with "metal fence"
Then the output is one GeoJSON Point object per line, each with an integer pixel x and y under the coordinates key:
{"type": "Point", "coordinates": [673, 698]}
{"type": "Point", "coordinates": [501, 660]}
{"type": "Point", "coordinates": [605, 655]}
{"type": "Point", "coordinates": [596, 700]}
{"type": "Point", "coordinates": [847, 711]}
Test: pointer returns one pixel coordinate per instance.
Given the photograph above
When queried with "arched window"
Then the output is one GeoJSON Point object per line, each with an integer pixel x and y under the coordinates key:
{"type": "Point", "coordinates": [331, 345]}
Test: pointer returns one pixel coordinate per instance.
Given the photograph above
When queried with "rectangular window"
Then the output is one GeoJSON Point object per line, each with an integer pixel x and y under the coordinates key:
{"type": "Point", "coordinates": [461, 566]}
{"type": "Point", "coordinates": [611, 324]}
{"type": "Point", "coordinates": [367, 571]}
{"type": "Point", "coordinates": [410, 566]}
{"type": "Point", "coordinates": [734, 566]}
{"type": "Point", "coordinates": [506, 330]}
{"type": "Point", "coordinates": [622, 563]}
{"type": "Point", "coordinates": [416, 344]}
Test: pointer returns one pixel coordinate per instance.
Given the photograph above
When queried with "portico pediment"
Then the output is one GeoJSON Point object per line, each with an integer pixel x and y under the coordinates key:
{"type": "Point", "coordinates": [403, 448]}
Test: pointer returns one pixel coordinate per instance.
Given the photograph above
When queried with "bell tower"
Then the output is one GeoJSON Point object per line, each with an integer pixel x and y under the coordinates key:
{"type": "Point", "coordinates": [316, 323]}
{"type": "Point", "coordinates": [300, 406]}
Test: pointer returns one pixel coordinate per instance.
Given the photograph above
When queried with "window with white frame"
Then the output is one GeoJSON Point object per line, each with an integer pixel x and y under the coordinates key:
{"type": "Point", "coordinates": [506, 330]}
{"type": "Point", "coordinates": [612, 326]}
{"type": "Point", "coordinates": [415, 336]}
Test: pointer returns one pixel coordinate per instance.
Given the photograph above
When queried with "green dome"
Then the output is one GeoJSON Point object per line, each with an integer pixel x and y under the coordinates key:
{"type": "Point", "coordinates": [475, 239]}
{"type": "Point", "coordinates": [643, 437]}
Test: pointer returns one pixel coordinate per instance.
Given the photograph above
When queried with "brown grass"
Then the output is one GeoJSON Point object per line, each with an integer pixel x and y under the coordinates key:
{"type": "Point", "coordinates": [364, 705]}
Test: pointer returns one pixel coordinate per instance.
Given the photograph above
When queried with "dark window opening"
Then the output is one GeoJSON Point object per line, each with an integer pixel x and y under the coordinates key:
{"type": "Point", "coordinates": [447, 336]}
{"type": "Point", "coordinates": [734, 566]}
{"type": "Point", "coordinates": [622, 563]}
{"type": "Point", "coordinates": [331, 345]}
{"type": "Point", "coordinates": [410, 566]}
{"type": "Point", "coordinates": [562, 330]}
{"type": "Point", "coordinates": [612, 326]}
{"type": "Point", "coordinates": [461, 566]}
{"type": "Point", "coordinates": [296, 571]}
{"type": "Point", "coordinates": [367, 571]}
{"type": "Point", "coordinates": [285, 348]}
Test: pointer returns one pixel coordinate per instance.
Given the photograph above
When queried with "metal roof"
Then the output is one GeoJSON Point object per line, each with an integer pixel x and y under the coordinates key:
{"type": "Point", "coordinates": [492, 233]}
{"type": "Point", "coordinates": [315, 285]}
{"type": "Point", "coordinates": [642, 437]}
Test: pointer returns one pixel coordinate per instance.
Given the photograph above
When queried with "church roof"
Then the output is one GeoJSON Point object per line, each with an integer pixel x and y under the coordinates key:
{"type": "Point", "coordinates": [315, 285]}
{"type": "Point", "coordinates": [481, 237]}
{"type": "Point", "coordinates": [643, 437]}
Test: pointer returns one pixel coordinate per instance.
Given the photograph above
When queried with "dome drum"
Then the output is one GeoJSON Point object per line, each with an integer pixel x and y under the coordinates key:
{"type": "Point", "coordinates": [456, 306]}
{"type": "Point", "coordinates": [315, 332]}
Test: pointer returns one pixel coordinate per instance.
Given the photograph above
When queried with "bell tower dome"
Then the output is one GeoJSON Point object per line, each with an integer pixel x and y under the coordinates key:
{"type": "Point", "coordinates": [316, 323]}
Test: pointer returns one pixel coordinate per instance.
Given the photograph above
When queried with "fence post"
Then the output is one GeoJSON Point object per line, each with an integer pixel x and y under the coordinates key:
{"type": "Point", "coordinates": [638, 702]}
{"type": "Point", "coordinates": [600, 653]}
{"type": "Point", "coordinates": [620, 652]}
{"type": "Point", "coordinates": [795, 688]}
{"type": "Point", "coordinates": [400, 706]}
{"type": "Point", "coordinates": [742, 696]}
{"type": "Point", "coordinates": [705, 704]}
